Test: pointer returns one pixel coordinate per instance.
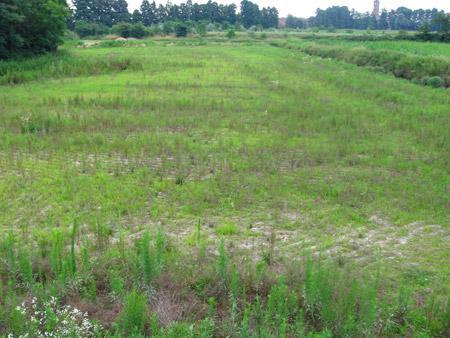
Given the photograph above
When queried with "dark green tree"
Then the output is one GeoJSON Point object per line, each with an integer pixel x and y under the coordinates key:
{"type": "Point", "coordinates": [442, 21]}
{"type": "Point", "coordinates": [31, 27]}
{"type": "Point", "coordinates": [83, 10]}
{"type": "Point", "coordinates": [119, 11]}
{"type": "Point", "coordinates": [296, 23]}
{"type": "Point", "coordinates": [11, 19]}
{"type": "Point", "coordinates": [136, 16]}
{"type": "Point", "coordinates": [230, 13]}
{"type": "Point", "coordinates": [181, 30]}
{"type": "Point", "coordinates": [250, 13]}
{"type": "Point", "coordinates": [149, 14]}
{"type": "Point", "coordinates": [269, 17]}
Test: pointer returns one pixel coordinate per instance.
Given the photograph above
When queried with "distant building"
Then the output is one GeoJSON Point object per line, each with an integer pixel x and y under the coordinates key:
{"type": "Point", "coordinates": [376, 10]}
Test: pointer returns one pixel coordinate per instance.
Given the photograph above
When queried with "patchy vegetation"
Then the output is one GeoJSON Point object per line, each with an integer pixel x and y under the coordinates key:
{"type": "Point", "coordinates": [222, 187]}
{"type": "Point", "coordinates": [433, 71]}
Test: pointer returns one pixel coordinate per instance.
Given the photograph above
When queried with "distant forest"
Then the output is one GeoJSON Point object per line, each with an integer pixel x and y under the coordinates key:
{"type": "Point", "coordinates": [110, 12]}
{"type": "Point", "coordinates": [341, 17]}
{"type": "Point", "coordinates": [30, 27]}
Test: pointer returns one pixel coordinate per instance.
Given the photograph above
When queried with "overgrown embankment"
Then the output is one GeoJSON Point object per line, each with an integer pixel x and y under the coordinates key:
{"type": "Point", "coordinates": [426, 70]}
{"type": "Point", "coordinates": [140, 286]}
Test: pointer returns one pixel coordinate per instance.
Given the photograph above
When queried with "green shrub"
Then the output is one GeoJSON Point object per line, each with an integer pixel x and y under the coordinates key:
{"type": "Point", "coordinates": [433, 81]}
{"type": "Point", "coordinates": [133, 317]}
{"type": "Point", "coordinates": [168, 28]}
{"type": "Point", "coordinates": [138, 31]}
{"type": "Point", "coordinates": [281, 305]}
{"type": "Point", "coordinates": [227, 229]}
{"type": "Point", "coordinates": [181, 30]}
{"type": "Point", "coordinates": [146, 261]}
{"type": "Point", "coordinates": [85, 29]}
{"type": "Point", "coordinates": [331, 29]}
{"type": "Point", "coordinates": [153, 30]}
{"type": "Point", "coordinates": [201, 29]}
{"type": "Point", "coordinates": [231, 34]}
{"type": "Point", "coordinates": [127, 30]}
{"type": "Point", "coordinates": [71, 35]}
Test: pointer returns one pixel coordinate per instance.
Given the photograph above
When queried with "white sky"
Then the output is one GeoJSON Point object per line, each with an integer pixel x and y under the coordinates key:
{"type": "Point", "coordinates": [307, 8]}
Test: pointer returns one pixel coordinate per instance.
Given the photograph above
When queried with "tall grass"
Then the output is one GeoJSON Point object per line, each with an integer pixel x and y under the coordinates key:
{"type": "Point", "coordinates": [407, 66]}
{"type": "Point", "coordinates": [324, 298]}
{"type": "Point", "coordinates": [116, 191]}
{"type": "Point", "coordinates": [61, 65]}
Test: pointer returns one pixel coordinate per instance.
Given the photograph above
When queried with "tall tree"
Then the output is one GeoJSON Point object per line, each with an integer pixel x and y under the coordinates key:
{"type": "Point", "coordinates": [148, 11]}
{"type": "Point", "coordinates": [119, 11]}
{"type": "Point", "coordinates": [10, 20]}
{"type": "Point", "coordinates": [230, 13]}
{"type": "Point", "coordinates": [250, 13]}
{"type": "Point", "coordinates": [442, 21]}
{"type": "Point", "coordinates": [31, 27]}
{"type": "Point", "coordinates": [136, 16]}
{"type": "Point", "coordinates": [83, 10]}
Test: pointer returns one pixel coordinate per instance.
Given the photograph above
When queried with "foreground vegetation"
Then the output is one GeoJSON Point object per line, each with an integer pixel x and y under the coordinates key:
{"type": "Point", "coordinates": [179, 188]}
{"type": "Point", "coordinates": [146, 287]}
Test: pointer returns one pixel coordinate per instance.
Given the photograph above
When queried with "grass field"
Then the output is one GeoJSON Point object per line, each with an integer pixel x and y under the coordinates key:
{"type": "Point", "coordinates": [409, 47]}
{"type": "Point", "coordinates": [131, 171]}
{"type": "Point", "coordinates": [423, 63]}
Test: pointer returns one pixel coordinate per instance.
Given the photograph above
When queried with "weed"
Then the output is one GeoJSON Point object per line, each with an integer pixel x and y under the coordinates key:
{"type": "Point", "coordinates": [227, 229]}
{"type": "Point", "coordinates": [134, 314]}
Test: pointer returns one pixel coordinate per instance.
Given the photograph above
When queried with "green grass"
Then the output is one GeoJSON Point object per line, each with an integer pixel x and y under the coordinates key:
{"type": "Point", "coordinates": [427, 70]}
{"type": "Point", "coordinates": [227, 229]}
{"type": "Point", "coordinates": [280, 152]}
{"type": "Point", "coordinates": [409, 47]}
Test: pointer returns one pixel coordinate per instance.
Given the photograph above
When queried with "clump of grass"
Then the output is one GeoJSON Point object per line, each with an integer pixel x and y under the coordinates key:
{"type": "Point", "coordinates": [227, 229]}
{"type": "Point", "coordinates": [132, 320]}
{"type": "Point", "coordinates": [146, 261]}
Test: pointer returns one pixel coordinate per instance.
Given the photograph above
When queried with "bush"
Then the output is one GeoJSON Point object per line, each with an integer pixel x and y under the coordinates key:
{"type": "Point", "coordinates": [231, 34]}
{"type": "Point", "coordinates": [433, 81]}
{"type": "Point", "coordinates": [331, 29]}
{"type": "Point", "coordinates": [122, 29]}
{"type": "Point", "coordinates": [71, 36]}
{"type": "Point", "coordinates": [201, 29]}
{"type": "Point", "coordinates": [227, 229]}
{"type": "Point", "coordinates": [168, 28]}
{"type": "Point", "coordinates": [138, 31]}
{"type": "Point", "coordinates": [402, 34]}
{"type": "Point", "coordinates": [134, 314]}
{"type": "Point", "coordinates": [84, 29]}
{"type": "Point", "coordinates": [153, 31]}
{"type": "Point", "coordinates": [127, 30]}
{"type": "Point", "coordinates": [181, 30]}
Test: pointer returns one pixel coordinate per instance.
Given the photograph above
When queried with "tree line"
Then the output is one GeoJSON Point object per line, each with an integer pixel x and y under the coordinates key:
{"type": "Point", "coordinates": [111, 12]}
{"type": "Point", "coordinates": [36, 26]}
{"type": "Point", "coordinates": [341, 17]}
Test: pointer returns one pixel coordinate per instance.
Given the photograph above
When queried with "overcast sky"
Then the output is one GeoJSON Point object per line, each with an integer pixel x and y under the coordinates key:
{"type": "Point", "coordinates": [306, 8]}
